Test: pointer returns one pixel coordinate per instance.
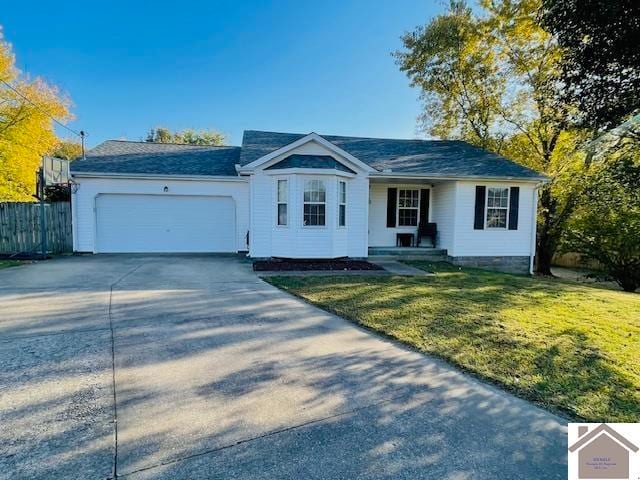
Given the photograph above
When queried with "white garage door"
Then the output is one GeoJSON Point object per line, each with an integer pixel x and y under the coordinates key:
{"type": "Point", "coordinates": [164, 223]}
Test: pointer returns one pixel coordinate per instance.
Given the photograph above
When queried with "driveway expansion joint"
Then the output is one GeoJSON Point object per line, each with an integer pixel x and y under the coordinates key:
{"type": "Point", "coordinates": [113, 371]}
{"type": "Point", "coordinates": [263, 435]}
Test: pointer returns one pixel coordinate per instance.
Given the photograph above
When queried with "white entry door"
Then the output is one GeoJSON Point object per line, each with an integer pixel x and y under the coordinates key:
{"type": "Point", "coordinates": [164, 223]}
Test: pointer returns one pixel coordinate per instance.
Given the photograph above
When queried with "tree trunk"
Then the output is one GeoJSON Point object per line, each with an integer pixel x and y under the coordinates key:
{"type": "Point", "coordinates": [545, 243]}
{"type": "Point", "coordinates": [544, 255]}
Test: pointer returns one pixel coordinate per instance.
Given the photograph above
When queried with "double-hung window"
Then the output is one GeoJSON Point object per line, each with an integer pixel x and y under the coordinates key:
{"type": "Point", "coordinates": [497, 207]}
{"type": "Point", "coordinates": [408, 202]}
{"type": "Point", "coordinates": [283, 194]}
{"type": "Point", "coordinates": [314, 201]}
{"type": "Point", "coordinates": [342, 203]}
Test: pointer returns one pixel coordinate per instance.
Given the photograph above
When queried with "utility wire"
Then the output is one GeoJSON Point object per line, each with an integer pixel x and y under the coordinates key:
{"type": "Point", "coordinates": [79, 134]}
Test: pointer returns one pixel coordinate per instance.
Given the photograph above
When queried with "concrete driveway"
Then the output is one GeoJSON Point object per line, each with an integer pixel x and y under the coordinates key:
{"type": "Point", "coordinates": [219, 375]}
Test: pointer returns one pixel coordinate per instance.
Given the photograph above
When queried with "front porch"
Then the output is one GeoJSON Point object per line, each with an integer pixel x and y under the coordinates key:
{"type": "Point", "coordinates": [410, 216]}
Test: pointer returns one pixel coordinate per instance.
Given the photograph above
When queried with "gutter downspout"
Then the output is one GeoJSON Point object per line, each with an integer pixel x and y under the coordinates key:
{"type": "Point", "coordinates": [534, 224]}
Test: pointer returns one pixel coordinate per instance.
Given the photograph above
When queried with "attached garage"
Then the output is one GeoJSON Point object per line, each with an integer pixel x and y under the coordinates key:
{"type": "Point", "coordinates": [164, 223]}
{"type": "Point", "coordinates": [142, 197]}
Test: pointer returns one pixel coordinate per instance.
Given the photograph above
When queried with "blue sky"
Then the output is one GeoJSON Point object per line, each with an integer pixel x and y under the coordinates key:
{"type": "Point", "coordinates": [293, 66]}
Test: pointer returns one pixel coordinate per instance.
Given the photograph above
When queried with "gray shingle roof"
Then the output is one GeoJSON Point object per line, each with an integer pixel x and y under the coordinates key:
{"type": "Point", "coordinates": [438, 158]}
{"type": "Point", "coordinates": [443, 158]}
{"type": "Point", "coordinates": [117, 156]}
{"type": "Point", "coordinates": [309, 161]}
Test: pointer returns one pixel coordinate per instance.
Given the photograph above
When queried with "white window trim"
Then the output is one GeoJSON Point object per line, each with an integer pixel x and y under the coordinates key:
{"type": "Point", "coordinates": [326, 193]}
{"type": "Point", "coordinates": [287, 202]}
{"type": "Point", "coordinates": [408, 208]}
{"type": "Point", "coordinates": [486, 207]}
{"type": "Point", "coordinates": [346, 199]}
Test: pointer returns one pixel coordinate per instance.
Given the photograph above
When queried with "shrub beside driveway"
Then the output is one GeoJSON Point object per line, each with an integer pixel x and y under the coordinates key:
{"type": "Point", "coordinates": [564, 345]}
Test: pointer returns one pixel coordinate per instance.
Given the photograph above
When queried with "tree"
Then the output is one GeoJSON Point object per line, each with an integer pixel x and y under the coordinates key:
{"type": "Point", "coordinates": [67, 150]}
{"type": "Point", "coordinates": [492, 80]}
{"type": "Point", "coordinates": [606, 224]}
{"type": "Point", "coordinates": [188, 136]}
{"type": "Point", "coordinates": [26, 131]}
{"type": "Point", "coordinates": [601, 58]}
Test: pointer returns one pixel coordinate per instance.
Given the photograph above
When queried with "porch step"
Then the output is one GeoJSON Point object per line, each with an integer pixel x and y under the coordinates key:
{"type": "Point", "coordinates": [408, 253]}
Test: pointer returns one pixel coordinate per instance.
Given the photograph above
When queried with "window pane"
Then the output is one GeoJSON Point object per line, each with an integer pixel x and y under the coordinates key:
{"type": "Point", "coordinates": [342, 193]}
{"type": "Point", "coordinates": [342, 215]}
{"type": "Point", "coordinates": [496, 217]}
{"type": "Point", "coordinates": [407, 217]}
{"type": "Point", "coordinates": [314, 191]}
{"type": "Point", "coordinates": [314, 214]}
{"type": "Point", "coordinates": [282, 214]}
{"type": "Point", "coordinates": [498, 197]}
{"type": "Point", "coordinates": [408, 198]}
{"type": "Point", "coordinates": [282, 191]}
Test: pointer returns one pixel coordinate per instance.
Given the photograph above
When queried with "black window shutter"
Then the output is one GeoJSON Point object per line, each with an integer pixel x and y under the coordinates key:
{"type": "Point", "coordinates": [424, 206]}
{"type": "Point", "coordinates": [392, 200]}
{"type": "Point", "coordinates": [514, 202]}
{"type": "Point", "coordinates": [478, 222]}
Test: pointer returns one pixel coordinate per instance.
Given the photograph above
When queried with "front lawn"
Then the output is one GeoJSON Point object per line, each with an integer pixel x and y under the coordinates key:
{"type": "Point", "coordinates": [564, 345]}
{"type": "Point", "coordinates": [9, 263]}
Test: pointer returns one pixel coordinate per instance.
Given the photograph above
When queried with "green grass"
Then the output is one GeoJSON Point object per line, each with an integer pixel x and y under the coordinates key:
{"type": "Point", "coordinates": [9, 263]}
{"type": "Point", "coordinates": [568, 346]}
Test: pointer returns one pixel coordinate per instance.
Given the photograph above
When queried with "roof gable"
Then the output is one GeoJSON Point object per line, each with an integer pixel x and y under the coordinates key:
{"type": "Point", "coordinates": [301, 141]}
{"type": "Point", "coordinates": [125, 157]}
{"type": "Point", "coordinates": [421, 157]}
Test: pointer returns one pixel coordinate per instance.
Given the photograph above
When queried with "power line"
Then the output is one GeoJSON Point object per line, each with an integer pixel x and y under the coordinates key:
{"type": "Point", "coordinates": [80, 134]}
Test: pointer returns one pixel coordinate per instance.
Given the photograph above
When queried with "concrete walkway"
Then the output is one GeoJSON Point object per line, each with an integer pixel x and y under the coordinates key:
{"type": "Point", "coordinates": [219, 375]}
{"type": "Point", "coordinates": [398, 268]}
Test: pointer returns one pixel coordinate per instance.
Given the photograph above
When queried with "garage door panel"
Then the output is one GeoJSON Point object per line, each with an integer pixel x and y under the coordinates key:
{"type": "Point", "coordinates": [164, 223]}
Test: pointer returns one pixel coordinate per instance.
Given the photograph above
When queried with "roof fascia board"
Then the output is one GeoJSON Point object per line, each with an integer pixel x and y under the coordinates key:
{"type": "Point", "coordinates": [436, 176]}
{"type": "Point", "coordinates": [147, 176]}
{"type": "Point", "coordinates": [301, 141]}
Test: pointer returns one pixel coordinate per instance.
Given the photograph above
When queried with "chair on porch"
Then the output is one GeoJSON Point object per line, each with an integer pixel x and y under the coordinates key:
{"type": "Point", "coordinates": [427, 230]}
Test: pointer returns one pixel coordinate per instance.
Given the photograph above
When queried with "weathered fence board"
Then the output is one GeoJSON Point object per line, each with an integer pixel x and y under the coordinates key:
{"type": "Point", "coordinates": [20, 227]}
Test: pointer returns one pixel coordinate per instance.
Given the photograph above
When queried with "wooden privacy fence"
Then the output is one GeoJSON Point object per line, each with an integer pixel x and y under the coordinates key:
{"type": "Point", "coordinates": [20, 227]}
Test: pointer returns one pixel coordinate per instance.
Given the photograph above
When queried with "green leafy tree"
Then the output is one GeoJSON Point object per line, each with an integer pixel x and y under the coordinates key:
{"type": "Point", "coordinates": [188, 136]}
{"type": "Point", "coordinates": [492, 79]}
{"type": "Point", "coordinates": [26, 128]}
{"type": "Point", "coordinates": [606, 223]}
{"type": "Point", "coordinates": [601, 58]}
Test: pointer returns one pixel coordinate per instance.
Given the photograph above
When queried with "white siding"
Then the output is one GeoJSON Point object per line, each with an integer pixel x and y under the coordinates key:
{"type": "Point", "coordinates": [452, 207]}
{"type": "Point", "coordinates": [84, 221]}
{"type": "Point", "coordinates": [443, 211]}
{"type": "Point", "coordinates": [295, 240]}
{"type": "Point", "coordinates": [379, 234]}
{"type": "Point", "coordinates": [492, 242]}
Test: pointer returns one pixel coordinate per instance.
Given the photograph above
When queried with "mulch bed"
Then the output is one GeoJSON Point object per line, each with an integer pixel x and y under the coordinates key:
{"type": "Point", "coordinates": [310, 265]}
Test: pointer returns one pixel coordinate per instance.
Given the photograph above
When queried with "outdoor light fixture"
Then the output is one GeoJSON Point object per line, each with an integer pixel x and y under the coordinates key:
{"type": "Point", "coordinates": [166, 189]}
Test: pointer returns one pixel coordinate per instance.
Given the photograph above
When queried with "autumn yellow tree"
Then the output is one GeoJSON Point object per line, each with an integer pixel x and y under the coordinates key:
{"type": "Point", "coordinates": [27, 108]}
{"type": "Point", "coordinates": [67, 150]}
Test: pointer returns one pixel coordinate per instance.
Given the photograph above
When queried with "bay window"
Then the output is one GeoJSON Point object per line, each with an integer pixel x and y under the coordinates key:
{"type": "Point", "coordinates": [283, 193]}
{"type": "Point", "coordinates": [314, 203]}
{"type": "Point", "coordinates": [342, 203]}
